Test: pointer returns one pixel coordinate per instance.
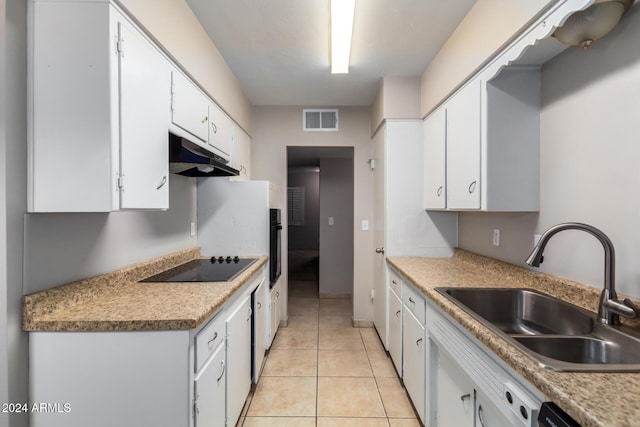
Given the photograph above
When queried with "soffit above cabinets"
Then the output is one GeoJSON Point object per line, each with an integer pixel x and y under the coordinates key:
{"type": "Point", "coordinates": [279, 50]}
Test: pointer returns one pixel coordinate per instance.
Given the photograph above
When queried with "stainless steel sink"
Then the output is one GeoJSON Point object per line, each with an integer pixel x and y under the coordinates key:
{"type": "Point", "coordinates": [556, 334]}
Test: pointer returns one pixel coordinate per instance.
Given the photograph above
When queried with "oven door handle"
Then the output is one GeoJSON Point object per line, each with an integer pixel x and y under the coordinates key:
{"type": "Point", "coordinates": [277, 227]}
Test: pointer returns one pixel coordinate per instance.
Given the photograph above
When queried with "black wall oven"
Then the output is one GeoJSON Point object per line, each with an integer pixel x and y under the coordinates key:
{"type": "Point", "coordinates": [275, 246]}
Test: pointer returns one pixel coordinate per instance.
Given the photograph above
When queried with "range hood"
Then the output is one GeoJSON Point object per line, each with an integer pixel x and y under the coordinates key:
{"type": "Point", "coordinates": [189, 159]}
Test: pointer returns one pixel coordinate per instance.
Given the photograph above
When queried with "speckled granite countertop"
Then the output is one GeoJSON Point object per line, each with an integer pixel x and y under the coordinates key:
{"type": "Point", "coordinates": [117, 302]}
{"type": "Point", "coordinates": [593, 399]}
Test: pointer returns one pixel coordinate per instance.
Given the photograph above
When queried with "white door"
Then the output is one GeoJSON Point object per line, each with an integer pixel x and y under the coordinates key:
{"type": "Point", "coordinates": [454, 394]}
{"type": "Point", "coordinates": [435, 172]}
{"type": "Point", "coordinates": [413, 360]}
{"type": "Point", "coordinates": [260, 322]}
{"type": "Point", "coordinates": [395, 331]}
{"type": "Point", "coordinates": [190, 108]}
{"type": "Point", "coordinates": [238, 359]}
{"type": "Point", "coordinates": [209, 392]}
{"type": "Point", "coordinates": [463, 148]}
{"type": "Point", "coordinates": [380, 270]}
{"type": "Point", "coordinates": [144, 122]}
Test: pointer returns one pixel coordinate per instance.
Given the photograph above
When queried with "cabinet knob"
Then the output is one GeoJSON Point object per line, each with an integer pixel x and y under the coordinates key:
{"type": "Point", "coordinates": [206, 118]}
{"type": "Point", "coordinates": [162, 183]}
{"type": "Point", "coordinates": [439, 192]}
{"type": "Point", "coordinates": [472, 187]}
{"type": "Point", "coordinates": [380, 250]}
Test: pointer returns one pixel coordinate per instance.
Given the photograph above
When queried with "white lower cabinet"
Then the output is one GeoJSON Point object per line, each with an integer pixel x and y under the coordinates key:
{"type": "Point", "coordinates": [395, 331]}
{"type": "Point", "coordinates": [453, 395]}
{"type": "Point", "coordinates": [413, 360]}
{"type": "Point", "coordinates": [179, 378]}
{"type": "Point", "coordinates": [239, 357]}
{"type": "Point", "coordinates": [471, 386]}
{"type": "Point", "coordinates": [274, 312]}
{"type": "Point", "coordinates": [260, 325]}
{"type": "Point", "coordinates": [209, 390]}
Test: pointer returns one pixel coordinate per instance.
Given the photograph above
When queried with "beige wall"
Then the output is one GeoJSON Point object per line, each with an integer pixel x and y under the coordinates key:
{"type": "Point", "coordinates": [485, 29]}
{"type": "Point", "coordinates": [589, 155]}
{"type": "Point", "coordinates": [175, 27]}
{"type": "Point", "coordinates": [398, 98]}
{"type": "Point", "coordinates": [275, 128]}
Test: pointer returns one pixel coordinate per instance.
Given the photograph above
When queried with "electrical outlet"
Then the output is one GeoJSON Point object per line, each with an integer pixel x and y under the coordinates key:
{"type": "Point", "coordinates": [496, 237]}
{"type": "Point", "coordinates": [192, 230]}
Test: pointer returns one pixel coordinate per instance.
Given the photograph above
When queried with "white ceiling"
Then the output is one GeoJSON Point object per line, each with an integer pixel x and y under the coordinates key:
{"type": "Point", "coordinates": [279, 49]}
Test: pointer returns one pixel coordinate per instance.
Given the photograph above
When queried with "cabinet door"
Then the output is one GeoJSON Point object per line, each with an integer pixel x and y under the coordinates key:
{"type": "Point", "coordinates": [241, 159]}
{"type": "Point", "coordinates": [189, 107]}
{"type": "Point", "coordinates": [144, 122]}
{"type": "Point", "coordinates": [209, 391]}
{"type": "Point", "coordinates": [487, 415]}
{"type": "Point", "coordinates": [260, 322]}
{"type": "Point", "coordinates": [395, 331]}
{"type": "Point", "coordinates": [435, 143]}
{"type": "Point", "coordinates": [463, 148]}
{"type": "Point", "coordinates": [454, 394]}
{"type": "Point", "coordinates": [238, 359]}
{"type": "Point", "coordinates": [274, 312]}
{"type": "Point", "coordinates": [414, 360]}
{"type": "Point", "coordinates": [220, 131]}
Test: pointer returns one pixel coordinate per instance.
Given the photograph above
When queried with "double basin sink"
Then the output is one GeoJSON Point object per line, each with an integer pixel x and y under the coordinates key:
{"type": "Point", "coordinates": [556, 334]}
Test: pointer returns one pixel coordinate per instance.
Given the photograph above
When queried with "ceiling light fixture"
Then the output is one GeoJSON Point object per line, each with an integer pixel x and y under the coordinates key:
{"type": "Point", "coordinates": [342, 12]}
{"type": "Point", "coordinates": [584, 27]}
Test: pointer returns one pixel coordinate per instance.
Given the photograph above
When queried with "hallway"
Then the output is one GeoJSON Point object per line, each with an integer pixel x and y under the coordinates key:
{"type": "Point", "coordinates": [322, 372]}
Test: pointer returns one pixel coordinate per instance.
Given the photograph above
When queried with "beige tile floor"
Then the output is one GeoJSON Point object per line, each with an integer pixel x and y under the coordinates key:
{"type": "Point", "coordinates": [322, 372]}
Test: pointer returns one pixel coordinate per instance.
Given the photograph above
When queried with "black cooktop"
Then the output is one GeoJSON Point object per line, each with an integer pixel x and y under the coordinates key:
{"type": "Point", "coordinates": [215, 269]}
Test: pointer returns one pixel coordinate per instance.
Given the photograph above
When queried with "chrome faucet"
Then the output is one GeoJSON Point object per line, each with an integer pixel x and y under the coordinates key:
{"type": "Point", "coordinates": [610, 308]}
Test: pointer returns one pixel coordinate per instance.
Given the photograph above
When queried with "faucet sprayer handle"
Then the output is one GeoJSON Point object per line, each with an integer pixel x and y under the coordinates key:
{"type": "Point", "coordinates": [624, 308]}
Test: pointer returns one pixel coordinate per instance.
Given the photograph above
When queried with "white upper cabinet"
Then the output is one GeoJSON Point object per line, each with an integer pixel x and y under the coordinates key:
{"type": "Point", "coordinates": [463, 148]}
{"type": "Point", "coordinates": [489, 148]}
{"type": "Point", "coordinates": [189, 107]}
{"type": "Point", "coordinates": [220, 132]}
{"type": "Point", "coordinates": [241, 158]}
{"type": "Point", "coordinates": [194, 113]}
{"type": "Point", "coordinates": [435, 158]}
{"type": "Point", "coordinates": [144, 114]}
{"type": "Point", "coordinates": [98, 118]}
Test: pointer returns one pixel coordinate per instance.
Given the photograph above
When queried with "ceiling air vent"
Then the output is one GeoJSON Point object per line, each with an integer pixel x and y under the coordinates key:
{"type": "Point", "coordinates": [320, 120]}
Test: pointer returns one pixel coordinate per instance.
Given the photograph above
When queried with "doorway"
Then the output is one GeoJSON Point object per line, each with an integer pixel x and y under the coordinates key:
{"type": "Point", "coordinates": [320, 221]}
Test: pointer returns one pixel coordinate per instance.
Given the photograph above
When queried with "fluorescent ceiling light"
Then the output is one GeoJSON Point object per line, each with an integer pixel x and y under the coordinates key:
{"type": "Point", "coordinates": [341, 29]}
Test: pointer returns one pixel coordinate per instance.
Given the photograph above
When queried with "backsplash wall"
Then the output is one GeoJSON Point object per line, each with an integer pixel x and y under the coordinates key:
{"type": "Point", "coordinates": [589, 153]}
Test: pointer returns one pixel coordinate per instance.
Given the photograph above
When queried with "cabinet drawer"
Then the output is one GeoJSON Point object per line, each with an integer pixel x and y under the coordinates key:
{"type": "Point", "coordinates": [395, 283]}
{"type": "Point", "coordinates": [208, 340]}
{"type": "Point", "coordinates": [414, 301]}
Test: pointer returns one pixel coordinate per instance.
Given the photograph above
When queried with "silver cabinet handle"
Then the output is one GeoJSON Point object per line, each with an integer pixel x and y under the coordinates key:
{"type": "Point", "coordinates": [398, 313]}
{"type": "Point", "coordinates": [411, 300]}
{"type": "Point", "coordinates": [215, 128]}
{"type": "Point", "coordinates": [222, 369]}
{"type": "Point", "coordinates": [380, 250]}
{"type": "Point", "coordinates": [162, 183]}
{"type": "Point", "coordinates": [212, 339]}
{"type": "Point", "coordinates": [439, 192]}
{"type": "Point", "coordinates": [205, 119]}
{"type": "Point", "coordinates": [418, 341]}
{"type": "Point", "coordinates": [394, 282]}
{"type": "Point", "coordinates": [480, 416]}
{"type": "Point", "coordinates": [259, 305]}
{"type": "Point", "coordinates": [472, 187]}
{"type": "Point", "coordinates": [465, 396]}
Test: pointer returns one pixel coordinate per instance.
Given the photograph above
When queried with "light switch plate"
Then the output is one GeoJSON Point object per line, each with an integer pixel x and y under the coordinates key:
{"type": "Point", "coordinates": [330, 220]}
{"type": "Point", "coordinates": [365, 225]}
